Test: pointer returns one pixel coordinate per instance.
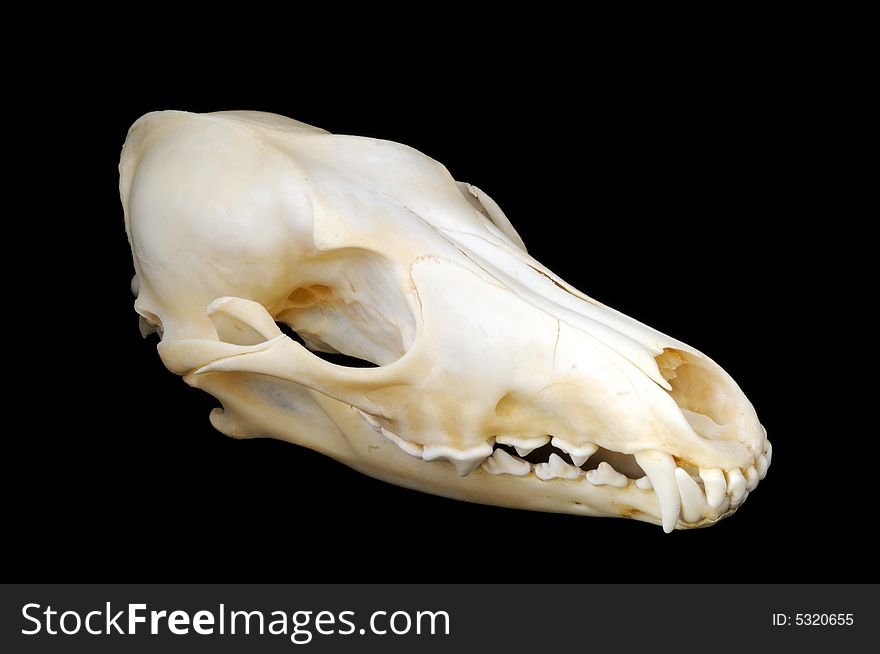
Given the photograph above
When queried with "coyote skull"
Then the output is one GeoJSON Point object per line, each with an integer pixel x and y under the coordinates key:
{"type": "Point", "coordinates": [494, 380]}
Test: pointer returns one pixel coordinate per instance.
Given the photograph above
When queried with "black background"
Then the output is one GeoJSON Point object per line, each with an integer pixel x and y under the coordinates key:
{"type": "Point", "coordinates": [675, 184]}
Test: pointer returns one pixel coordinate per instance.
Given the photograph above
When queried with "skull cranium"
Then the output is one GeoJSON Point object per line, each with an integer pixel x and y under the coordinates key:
{"type": "Point", "coordinates": [494, 380]}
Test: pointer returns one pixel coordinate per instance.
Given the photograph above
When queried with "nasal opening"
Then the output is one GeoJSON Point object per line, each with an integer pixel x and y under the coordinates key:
{"type": "Point", "coordinates": [701, 391]}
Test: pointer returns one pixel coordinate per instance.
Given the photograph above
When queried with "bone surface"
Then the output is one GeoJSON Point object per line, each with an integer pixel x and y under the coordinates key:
{"type": "Point", "coordinates": [484, 376]}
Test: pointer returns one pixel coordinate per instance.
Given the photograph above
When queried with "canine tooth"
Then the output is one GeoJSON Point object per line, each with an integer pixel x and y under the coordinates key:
{"type": "Point", "coordinates": [751, 478]}
{"type": "Point", "coordinates": [761, 466]}
{"type": "Point", "coordinates": [716, 486]}
{"type": "Point", "coordinates": [502, 463]}
{"type": "Point", "coordinates": [605, 475]}
{"type": "Point", "coordinates": [644, 483]}
{"type": "Point", "coordinates": [693, 502]}
{"type": "Point", "coordinates": [370, 420]}
{"type": "Point", "coordinates": [556, 467]}
{"type": "Point", "coordinates": [523, 446]}
{"type": "Point", "coordinates": [736, 486]}
{"type": "Point", "coordinates": [578, 453]}
{"type": "Point", "coordinates": [660, 468]}
{"type": "Point", "coordinates": [464, 460]}
{"type": "Point", "coordinates": [413, 449]}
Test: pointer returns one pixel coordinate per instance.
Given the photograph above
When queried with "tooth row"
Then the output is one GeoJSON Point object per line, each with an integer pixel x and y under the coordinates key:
{"type": "Point", "coordinates": [679, 495]}
{"type": "Point", "coordinates": [684, 497]}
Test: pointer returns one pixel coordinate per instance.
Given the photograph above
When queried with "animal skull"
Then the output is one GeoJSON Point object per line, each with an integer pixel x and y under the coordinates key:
{"type": "Point", "coordinates": [496, 382]}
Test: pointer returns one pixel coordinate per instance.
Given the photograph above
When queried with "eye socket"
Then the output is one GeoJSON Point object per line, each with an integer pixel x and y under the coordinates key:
{"type": "Point", "coordinates": [336, 358]}
{"type": "Point", "coordinates": [350, 304]}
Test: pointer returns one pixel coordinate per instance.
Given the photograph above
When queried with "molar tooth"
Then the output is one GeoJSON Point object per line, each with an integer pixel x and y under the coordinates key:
{"type": "Point", "coordinates": [660, 468]}
{"type": "Point", "coordinates": [578, 453]}
{"type": "Point", "coordinates": [768, 452]}
{"type": "Point", "coordinates": [413, 449]}
{"type": "Point", "coordinates": [644, 483]}
{"type": "Point", "coordinates": [693, 503]}
{"type": "Point", "coordinates": [761, 466]}
{"type": "Point", "coordinates": [736, 486]}
{"type": "Point", "coordinates": [716, 486]}
{"type": "Point", "coordinates": [370, 420]}
{"type": "Point", "coordinates": [502, 463]}
{"type": "Point", "coordinates": [751, 478]}
{"type": "Point", "coordinates": [605, 475]}
{"type": "Point", "coordinates": [464, 460]}
{"type": "Point", "coordinates": [523, 446]}
{"type": "Point", "coordinates": [556, 467]}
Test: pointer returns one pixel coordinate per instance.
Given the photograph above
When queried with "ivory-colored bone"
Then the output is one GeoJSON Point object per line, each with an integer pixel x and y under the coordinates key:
{"type": "Point", "coordinates": [240, 221]}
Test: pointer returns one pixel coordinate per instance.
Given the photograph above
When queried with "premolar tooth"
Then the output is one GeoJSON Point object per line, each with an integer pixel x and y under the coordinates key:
{"type": "Point", "coordinates": [751, 478]}
{"type": "Point", "coordinates": [605, 475]}
{"type": "Point", "coordinates": [413, 449]}
{"type": "Point", "coordinates": [736, 485]}
{"type": "Point", "coordinates": [578, 453]}
{"type": "Point", "coordinates": [644, 483]}
{"type": "Point", "coordinates": [464, 460]}
{"type": "Point", "coordinates": [523, 446]}
{"type": "Point", "coordinates": [693, 502]}
{"type": "Point", "coordinates": [502, 463]}
{"type": "Point", "coordinates": [716, 486]}
{"type": "Point", "coordinates": [556, 467]}
{"type": "Point", "coordinates": [660, 468]}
